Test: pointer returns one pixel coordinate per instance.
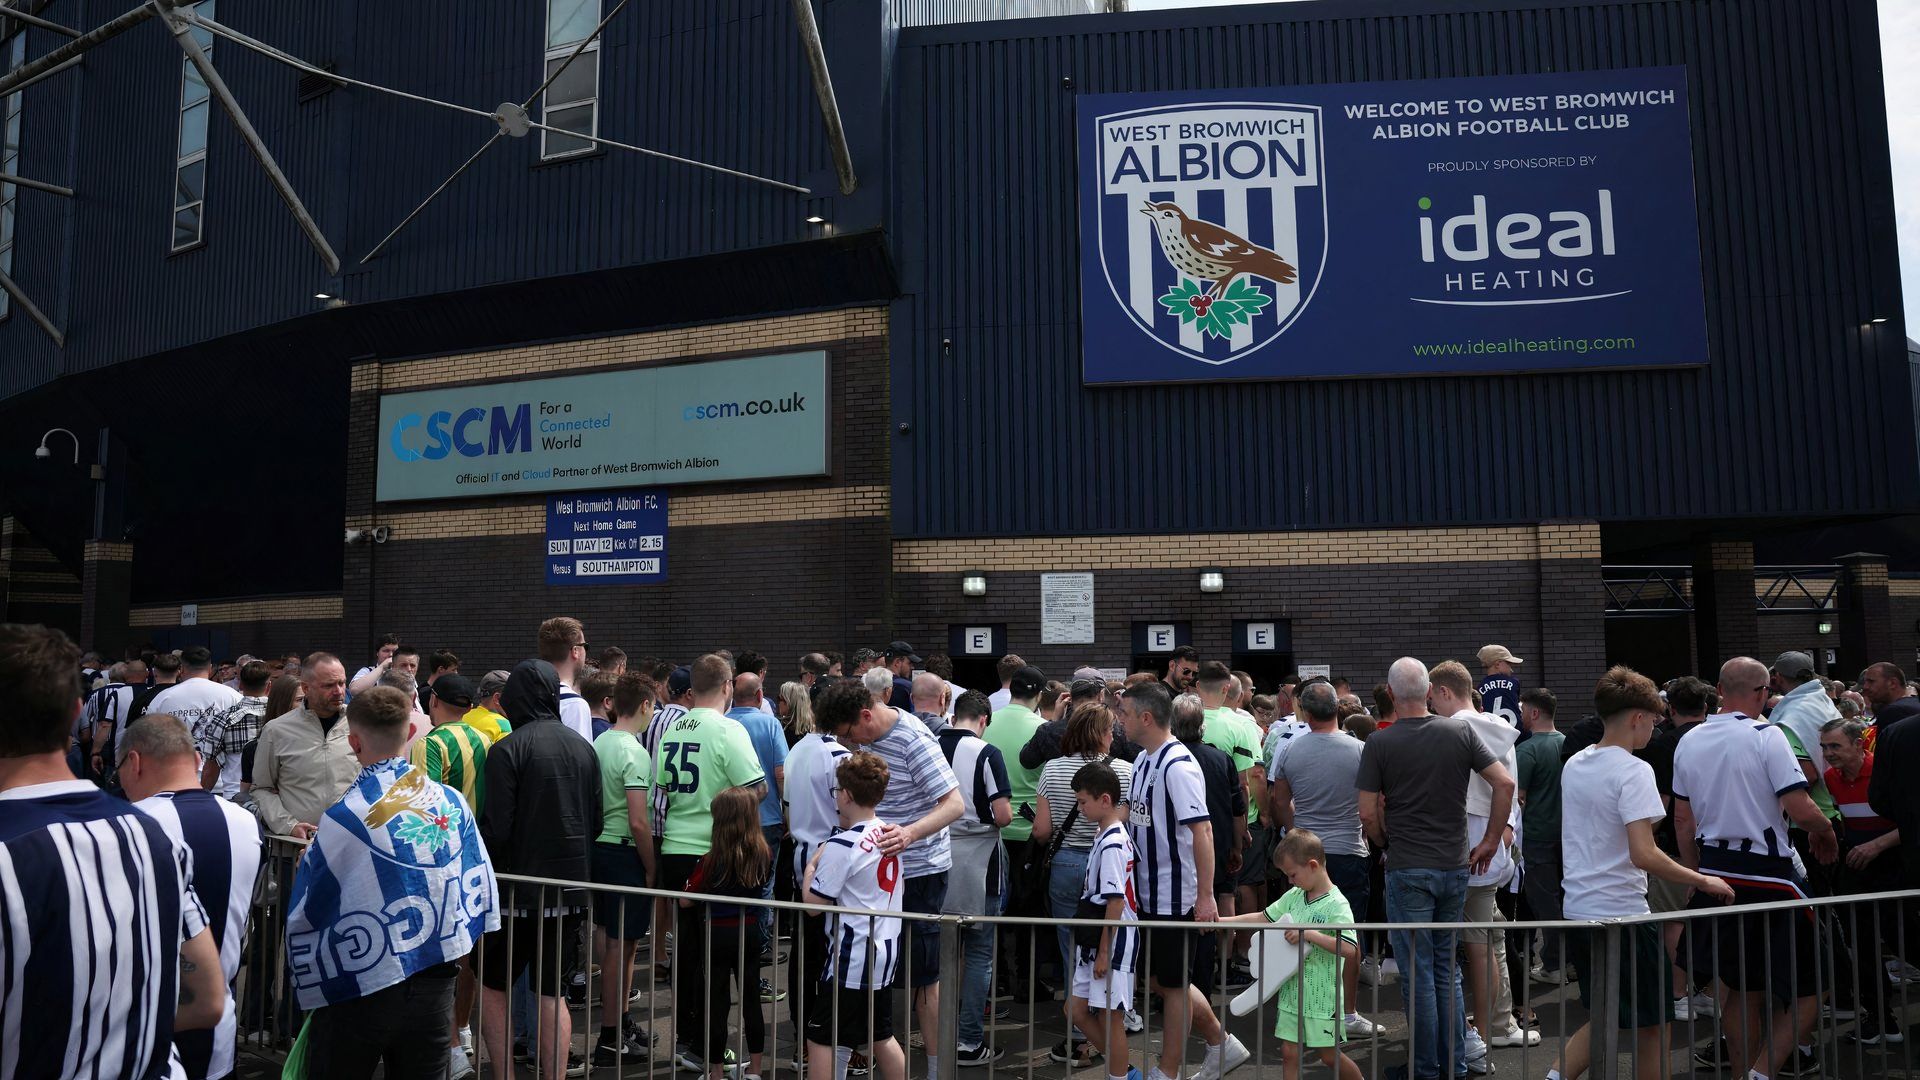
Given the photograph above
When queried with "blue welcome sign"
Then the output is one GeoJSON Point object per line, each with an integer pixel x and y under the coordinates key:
{"type": "Point", "coordinates": [1516, 223]}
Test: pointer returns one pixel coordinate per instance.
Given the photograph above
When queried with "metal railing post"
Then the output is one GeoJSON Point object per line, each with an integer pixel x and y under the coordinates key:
{"type": "Point", "coordinates": [1606, 1013]}
{"type": "Point", "coordinates": [946, 1041]}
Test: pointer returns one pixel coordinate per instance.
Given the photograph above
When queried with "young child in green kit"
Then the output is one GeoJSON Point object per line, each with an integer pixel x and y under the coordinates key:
{"type": "Point", "coordinates": [1308, 1006]}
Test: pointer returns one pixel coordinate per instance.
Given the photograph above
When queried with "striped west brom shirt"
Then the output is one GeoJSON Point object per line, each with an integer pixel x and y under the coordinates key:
{"type": "Point", "coordinates": [1110, 877]}
{"type": "Point", "coordinates": [1168, 794]}
{"type": "Point", "coordinates": [455, 754]}
{"type": "Point", "coordinates": [224, 842]}
{"type": "Point", "coordinates": [854, 874]}
{"type": "Point", "coordinates": [812, 767]}
{"type": "Point", "coordinates": [95, 902]}
{"type": "Point", "coordinates": [576, 713]}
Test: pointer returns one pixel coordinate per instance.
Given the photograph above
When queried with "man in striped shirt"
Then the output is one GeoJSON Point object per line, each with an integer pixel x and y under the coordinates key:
{"type": "Point", "coordinates": [157, 769]}
{"type": "Point", "coordinates": [1173, 845]}
{"type": "Point", "coordinates": [922, 799]}
{"type": "Point", "coordinates": [454, 753]}
{"type": "Point", "coordinates": [72, 854]}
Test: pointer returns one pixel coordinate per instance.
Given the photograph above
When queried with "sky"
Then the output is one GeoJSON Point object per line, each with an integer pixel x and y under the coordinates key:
{"type": "Point", "coordinates": [1899, 39]}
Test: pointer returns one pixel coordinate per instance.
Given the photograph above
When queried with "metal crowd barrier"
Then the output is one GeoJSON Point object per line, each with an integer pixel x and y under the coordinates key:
{"type": "Point", "coordinates": [1860, 943]}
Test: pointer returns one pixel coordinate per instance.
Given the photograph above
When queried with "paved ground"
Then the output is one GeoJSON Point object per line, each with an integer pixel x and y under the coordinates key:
{"type": "Point", "coordinates": [1027, 1042]}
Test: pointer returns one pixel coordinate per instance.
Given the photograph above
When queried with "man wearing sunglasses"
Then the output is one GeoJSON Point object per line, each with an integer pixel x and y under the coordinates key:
{"type": "Point", "coordinates": [563, 643]}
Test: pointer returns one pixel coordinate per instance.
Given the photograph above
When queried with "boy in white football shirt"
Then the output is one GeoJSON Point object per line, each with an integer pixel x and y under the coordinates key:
{"type": "Point", "coordinates": [1103, 974]}
{"type": "Point", "coordinates": [850, 871]}
{"type": "Point", "coordinates": [1609, 805]}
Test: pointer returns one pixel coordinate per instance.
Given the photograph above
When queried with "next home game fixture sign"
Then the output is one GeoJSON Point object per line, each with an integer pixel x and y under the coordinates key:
{"type": "Point", "coordinates": [745, 419]}
{"type": "Point", "coordinates": [607, 538]}
{"type": "Point", "coordinates": [1513, 223]}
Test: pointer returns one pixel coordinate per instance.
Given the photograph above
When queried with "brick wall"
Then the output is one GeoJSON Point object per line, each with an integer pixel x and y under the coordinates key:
{"type": "Point", "coordinates": [1903, 599]}
{"type": "Point", "coordinates": [780, 588]}
{"type": "Point", "coordinates": [780, 566]}
{"type": "Point", "coordinates": [261, 626]}
{"type": "Point", "coordinates": [1355, 600]}
{"type": "Point", "coordinates": [36, 587]}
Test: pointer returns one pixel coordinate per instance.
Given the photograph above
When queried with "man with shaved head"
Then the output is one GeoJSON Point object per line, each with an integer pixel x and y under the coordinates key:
{"type": "Point", "coordinates": [931, 700]}
{"type": "Point", "coordinates": [770, 744]}
{"type": "Point", "coordinates": [1735, 786]}
{"type": "Point", "coordinates": [1413, 782]}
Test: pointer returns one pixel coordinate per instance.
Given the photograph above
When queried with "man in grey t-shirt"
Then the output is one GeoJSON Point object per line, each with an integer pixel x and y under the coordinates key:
{"type": "Point", "coordinates": [1413, 801]}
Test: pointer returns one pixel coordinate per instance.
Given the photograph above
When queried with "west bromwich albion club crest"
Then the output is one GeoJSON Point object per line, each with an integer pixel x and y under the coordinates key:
{"type": "Point", "coordinates": [1212, 221]}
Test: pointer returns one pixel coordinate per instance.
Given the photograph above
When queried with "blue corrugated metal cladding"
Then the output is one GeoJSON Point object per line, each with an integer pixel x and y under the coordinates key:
{"type": "Point", "coordinates": [1804, 410]}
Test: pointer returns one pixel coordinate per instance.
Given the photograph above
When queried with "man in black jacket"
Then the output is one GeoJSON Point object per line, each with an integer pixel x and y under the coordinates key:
{"type": "Point", "coordinates": [542, 813]}
{"type": "Point", "coordinates": [1891, 791]}
{"type": "Point", "coordinates": [1044, 746]}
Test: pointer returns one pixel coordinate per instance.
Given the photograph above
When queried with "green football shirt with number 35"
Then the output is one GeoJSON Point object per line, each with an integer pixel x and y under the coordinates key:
{"type": "Point", "coordinates": [700, 755]}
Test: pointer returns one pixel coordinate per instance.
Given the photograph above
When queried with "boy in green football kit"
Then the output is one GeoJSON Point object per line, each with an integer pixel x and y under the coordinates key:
{"type": "Point", "coordinates": [699, 756]}
{"type": "Point", "coordinates": [1308, 1006]}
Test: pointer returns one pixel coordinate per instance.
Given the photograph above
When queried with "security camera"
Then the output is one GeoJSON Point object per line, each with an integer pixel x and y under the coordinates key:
{"type": "Point", "coordinates": [380, 534]}
{"type": "Point", "coordinates": [354, 535]}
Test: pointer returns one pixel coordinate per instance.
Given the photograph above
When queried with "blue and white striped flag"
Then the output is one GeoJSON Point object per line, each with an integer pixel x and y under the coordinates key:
{"type": "Point", "coordinates": [396, 881]}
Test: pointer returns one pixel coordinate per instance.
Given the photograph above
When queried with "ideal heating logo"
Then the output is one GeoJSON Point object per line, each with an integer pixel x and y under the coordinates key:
{"type": "Point", "coordinates": [1529, 259]}
{"type": "Point", "coordinates": [505, 430]}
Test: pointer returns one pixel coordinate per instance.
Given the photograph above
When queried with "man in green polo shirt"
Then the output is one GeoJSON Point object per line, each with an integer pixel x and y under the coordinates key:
{"type": "Point", "coordinates": [701, 754]}
{"type": "Point", "coordinates": [1009, 729]}
{"type": "Point", "coordinates": [1238, 738]}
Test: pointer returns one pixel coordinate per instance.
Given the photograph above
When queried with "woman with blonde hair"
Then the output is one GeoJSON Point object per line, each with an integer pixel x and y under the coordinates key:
{"type": "Point", "coordinates": [796, 712]}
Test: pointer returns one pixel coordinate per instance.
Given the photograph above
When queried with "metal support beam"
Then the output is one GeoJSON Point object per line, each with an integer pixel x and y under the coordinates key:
{"type": "Point", "coordinates": [113, 28]}
{"type": "Point", "coordinates": [48, 74]}
{"type": "Point", "coordinates": [33, 310]}
{"type": "Point", "coordinates": [823, 90]}
{"type": "Point", "coordinates": [35, 20]}
{"type": "Point", "coordinates": [37, 185]}
{"type": "Point", "coordinates": [218, 87]}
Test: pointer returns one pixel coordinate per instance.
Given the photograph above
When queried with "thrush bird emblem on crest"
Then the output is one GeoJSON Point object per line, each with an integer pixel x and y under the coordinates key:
{"type": "Point", "coordinates": [417, 810]}
{"type": "Point", "coordinates": [1206, 252]}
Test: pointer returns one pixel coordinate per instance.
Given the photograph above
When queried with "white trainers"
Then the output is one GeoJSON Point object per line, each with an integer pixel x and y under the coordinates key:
{"type": "Point", "coordinates": [1475, 1048]}
{"type": "Point", "coordinates": [1135, 1022]}
{"type": "Point", "coordinates": [1359, 1027]}
{"type": "Point", "coordinates": [1515, 1035]}
{"type": "Point", "coordinates": [1223, 1059]}
{"type": "Point", "coordinates": [1696, 1007]}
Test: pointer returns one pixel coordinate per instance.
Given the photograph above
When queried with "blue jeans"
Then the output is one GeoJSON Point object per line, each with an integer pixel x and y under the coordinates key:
{"type": "Point", "coordinates": [774, 834]}
{"type": "Point", "coordinates": [1429, 976]}
{"type": "Point", "coordinates": [1063, 899]}
{"type": "Point", "coordinates": [976, 977]}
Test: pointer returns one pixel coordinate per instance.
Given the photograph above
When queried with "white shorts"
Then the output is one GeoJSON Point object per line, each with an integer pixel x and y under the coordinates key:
{"type": "Point", "coordinates": [1113, 992]}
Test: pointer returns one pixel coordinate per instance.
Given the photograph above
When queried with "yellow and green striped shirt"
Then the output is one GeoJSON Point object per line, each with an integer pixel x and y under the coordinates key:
{"type": "Point", "coordinates": [487, 722]}
{"type": "Point", "coordinates": [456, 755]}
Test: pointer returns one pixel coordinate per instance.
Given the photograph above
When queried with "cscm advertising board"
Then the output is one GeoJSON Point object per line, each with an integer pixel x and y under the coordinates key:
{"type": "Point", "coordinates": [744, 419]}
{"type": "Point", "coordinates": [1440, 226]}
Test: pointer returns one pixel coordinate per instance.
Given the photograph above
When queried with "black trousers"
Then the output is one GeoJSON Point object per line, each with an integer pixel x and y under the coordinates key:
{"type": "Point", "coordinates": [735, 955]}
{"type": "Point", "coordinates": [804, 965]}
{"type": "Point", "coordinates": [689, 952]}
{"type": "Point", "coordinates": [405, 1026]}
